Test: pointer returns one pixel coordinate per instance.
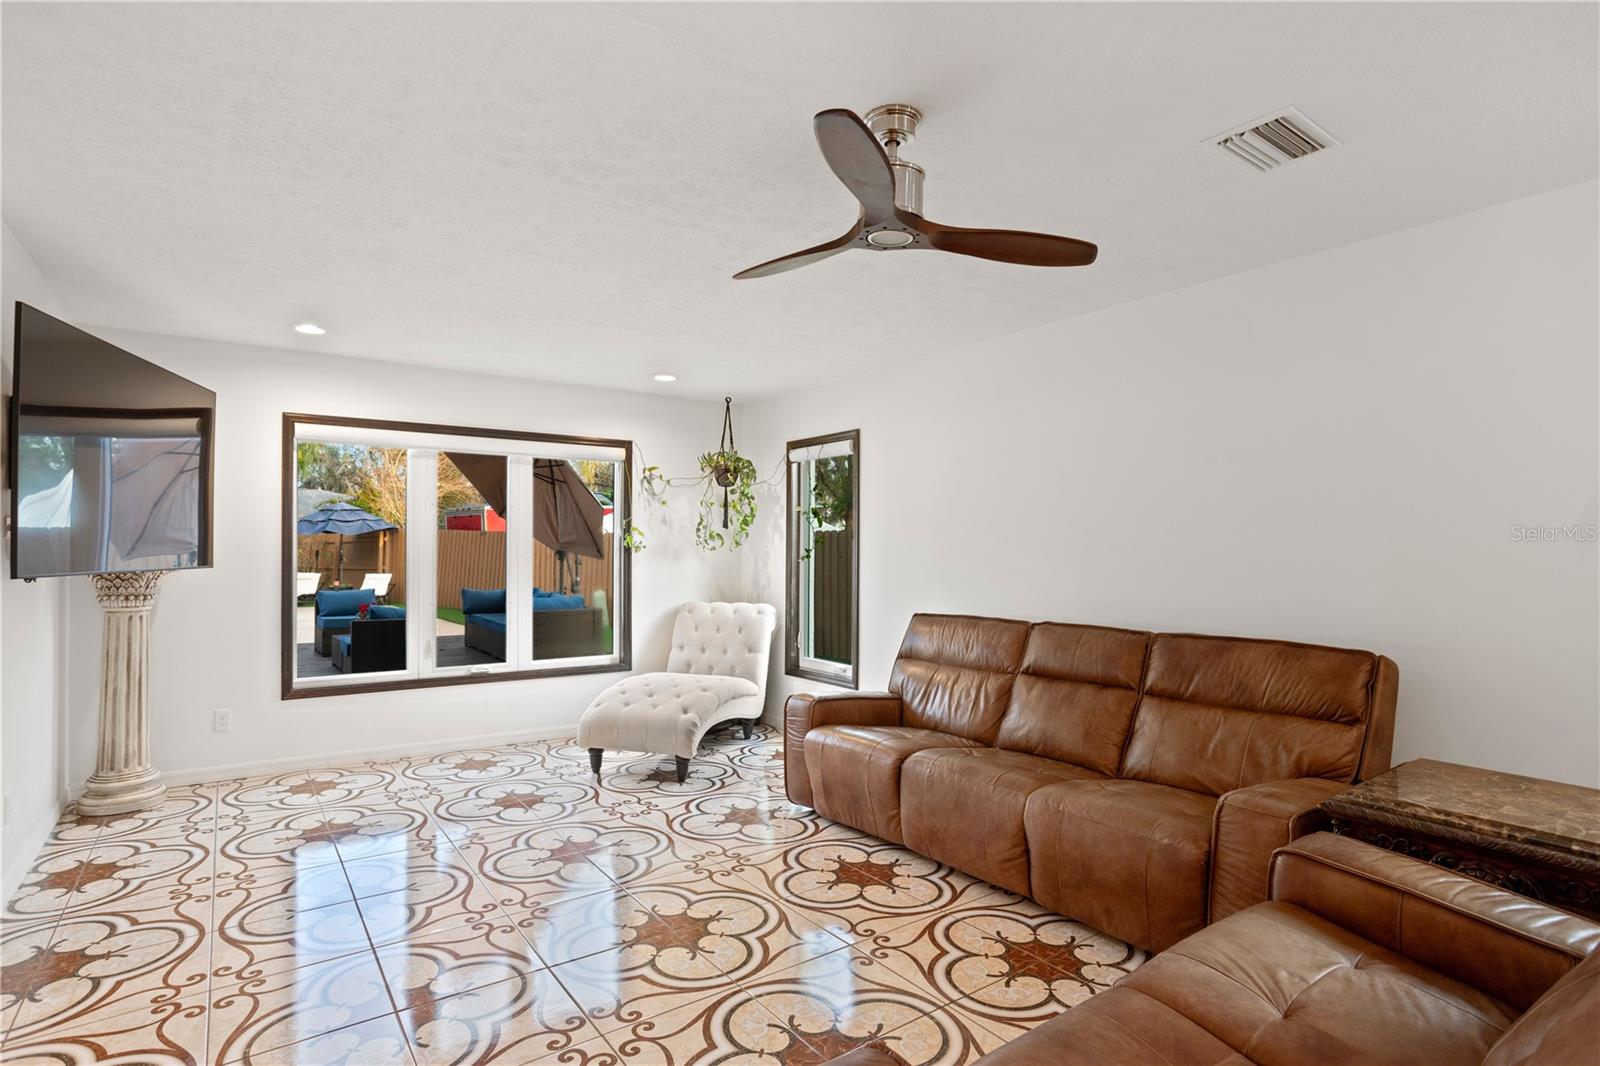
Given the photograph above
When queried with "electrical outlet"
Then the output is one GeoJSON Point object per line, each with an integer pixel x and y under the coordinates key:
{"type": "Point", "coordinates": [222, 721]}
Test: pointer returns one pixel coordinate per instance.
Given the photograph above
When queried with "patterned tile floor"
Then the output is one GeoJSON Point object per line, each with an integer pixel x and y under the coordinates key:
{"type": "Point", "coordinates": [502, 906]}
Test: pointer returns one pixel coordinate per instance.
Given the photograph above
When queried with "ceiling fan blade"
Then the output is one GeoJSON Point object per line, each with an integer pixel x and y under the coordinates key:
{"type": "Point", "coordinates": [858, 160]}
{"type": "Point", "coordinates": [1009, 245]}
{"type": "Point", "coordinates": [795, 260]}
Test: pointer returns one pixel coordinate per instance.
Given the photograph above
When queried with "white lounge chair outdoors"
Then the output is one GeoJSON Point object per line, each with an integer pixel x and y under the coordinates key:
{"type": "Point", "coordinates": [306, 582]}
{"type": "Point", "coordinates": [379, 584]}
{"type": "Point", "coordinates": [716, 672]}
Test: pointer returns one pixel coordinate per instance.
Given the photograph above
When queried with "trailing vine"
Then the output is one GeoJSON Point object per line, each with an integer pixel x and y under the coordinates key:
{"type": "Point", "coordinates": [736, 477]}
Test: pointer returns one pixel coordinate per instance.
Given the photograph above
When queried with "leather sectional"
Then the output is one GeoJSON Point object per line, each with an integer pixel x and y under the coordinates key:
{"type": "Point", "coordinates": [1361, 958]}
{"type": "Point", "coordinates": [1138, 782]}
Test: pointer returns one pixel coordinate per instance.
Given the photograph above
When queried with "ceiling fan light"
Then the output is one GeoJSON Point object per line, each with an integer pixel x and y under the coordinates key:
{"type": "Point", "coordinates": [889, 238]}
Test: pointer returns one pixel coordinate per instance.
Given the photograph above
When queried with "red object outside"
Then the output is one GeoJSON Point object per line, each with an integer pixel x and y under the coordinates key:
{"type": "Point", "coordinates": [481, 517]}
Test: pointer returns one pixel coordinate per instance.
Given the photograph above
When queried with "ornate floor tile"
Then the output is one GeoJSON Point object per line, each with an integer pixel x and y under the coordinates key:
{"type": "Point", "coordinates": [106, 965]}
{"type": "Point", "coordinates": [172, 1033]}
{"type": "Point", "coordinates": [464, 769]}
{"type": "Point", "coordinates": [528, 1017]}
{"type": "Point", "coordinates": [258, 888]}
{"type": "Point", "coordinates": [259, 1015]}
{"type": "Point", "coordinates": [275, 936]}
{"type": "Point", "coordinates": [727, 1028]}
{"type": "Point", "coordinates": [299, 840]}
{"type": "Point", "coordinates": [843, 999]}
{"type": "Point", "coordinates": [375, 1042]}
{"type": "Point", "coordinates": [868, 884]}
{"type": "Point", "coordinates": [451, 957]}
{"type": "Point", "coordinates": [434, 902]}
{"type": "Point", "coordinates": [655, 777]}
{"type": "Point", "coordinates": [1041, 964]}
{"type": "Point", "coordinates": [749, 825]}
{"type": "Point", "coordinates": [538, 867]}
{"type": "Point", "coordinates": [524, 912]}
{"type": "Point", "coordinates": [574, 928]}
{"type": "Point", "coordinates": [644, 980]}
{"type": "Point", "coordinates": [46, 889]}
{"type": "Point", "coordinates": [423, 874]}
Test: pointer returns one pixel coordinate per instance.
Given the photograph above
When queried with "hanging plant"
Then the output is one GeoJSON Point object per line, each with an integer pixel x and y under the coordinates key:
{"type": "Point", "coordinates": [722, 523]}
{"type": "Point", "coordinates": [736, 477]}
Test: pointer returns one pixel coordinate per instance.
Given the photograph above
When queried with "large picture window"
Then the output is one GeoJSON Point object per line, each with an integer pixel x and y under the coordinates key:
{"type": "Point", "coordinates": [823, 558]}
{"type": "Point", "coordinates": [402, 564]}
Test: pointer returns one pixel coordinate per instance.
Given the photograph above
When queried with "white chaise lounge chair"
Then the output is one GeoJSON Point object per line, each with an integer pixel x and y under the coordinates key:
{"type": "Point", "coordinates": [716, 672]}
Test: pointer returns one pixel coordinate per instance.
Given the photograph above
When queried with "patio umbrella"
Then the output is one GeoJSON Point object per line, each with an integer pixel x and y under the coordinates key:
{"type": "Point", "coordinates": [566, 516]}
{"type": "Point", "coordinates": [345, 519]}
{"type": "Point", "coordinates": [155, 483]}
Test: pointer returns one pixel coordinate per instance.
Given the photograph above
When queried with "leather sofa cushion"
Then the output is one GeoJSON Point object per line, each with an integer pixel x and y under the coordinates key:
{"type": "Point", "coordinates": [1220, 713]}
{"type": "Point", "coordinates": [1283, 986]}
{"type": "Point", "coordinates": [1125, 857]}
{"type": "Point", "coordinates": [954, 673]}
{"type": "Point", "coordinates": [1118, 1027]}
{"type": "Point", "coordinates": [964, 806]}
{"type": "Point", "coordinates": [1075, 696]}
{"type": "Point", "coordinates": [1562, 1027]}
{"type": "Point", "coordinates": [855, 772]}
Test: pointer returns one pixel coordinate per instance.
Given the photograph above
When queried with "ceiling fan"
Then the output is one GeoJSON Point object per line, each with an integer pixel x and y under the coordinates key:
{"type": "Point", "coordinates": [865, 155]}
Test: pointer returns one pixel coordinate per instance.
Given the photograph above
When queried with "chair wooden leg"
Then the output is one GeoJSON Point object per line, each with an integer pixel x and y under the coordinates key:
{"type": "Point", "coordinates": [683, 768]}
{"type": "Point", "coordinates": [594, 760]}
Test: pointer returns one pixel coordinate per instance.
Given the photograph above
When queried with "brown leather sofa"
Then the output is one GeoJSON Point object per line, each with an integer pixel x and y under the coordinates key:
{"type": "Point", "coordinates": [1136, 781]}
{"type": "Point", "coordinates": [1361, 957]}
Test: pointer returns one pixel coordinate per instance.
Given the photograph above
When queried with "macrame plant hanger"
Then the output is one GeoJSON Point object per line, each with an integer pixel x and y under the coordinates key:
{"type": "Point", "coordinates": [726, 475]}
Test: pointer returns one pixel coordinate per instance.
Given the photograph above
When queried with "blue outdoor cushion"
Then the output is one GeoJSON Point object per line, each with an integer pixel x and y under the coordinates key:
{"type": "Point", "coordinates": [483, 601]}
{"type": "Point", "coordinates": [383, 610]}
{"type": "Point", "coordinates": [494, 621]}
{"type": "Point", "coordinates": [343, 601]}
{"type": "Point", "coordinates": [335, 621]}
{"type": "Point", "coordinates": [553, 601]}
{"type": "Point", "coordinates": [343, 642]}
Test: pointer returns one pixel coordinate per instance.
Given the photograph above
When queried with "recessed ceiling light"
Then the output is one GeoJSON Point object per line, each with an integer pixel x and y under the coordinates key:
{"type": "Point", "coordinates": [310, 329]}
{"type": "Point", "coordinates": [665, 377]}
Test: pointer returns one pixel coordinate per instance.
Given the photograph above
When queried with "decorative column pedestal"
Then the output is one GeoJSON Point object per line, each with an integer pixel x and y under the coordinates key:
{"type": "Point", "coordinates": [123, 779]}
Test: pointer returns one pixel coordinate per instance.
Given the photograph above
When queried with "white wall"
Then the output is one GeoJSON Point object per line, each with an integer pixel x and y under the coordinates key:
{"type": "Point", "coordinates": [216, 632]}
{"type": "Point", "coordinates": [1332, 449]}
{"type": "Point", "coordinates": [31, 618]}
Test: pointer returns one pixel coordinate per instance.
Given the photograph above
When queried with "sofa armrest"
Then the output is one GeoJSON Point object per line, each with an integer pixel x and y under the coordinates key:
{"type": "Point", "coordinates": [1249, 825]}
{"type": "Point", "coordinates": [806, 711]}
{"type": "Point", "coordinates": [1510, 946]}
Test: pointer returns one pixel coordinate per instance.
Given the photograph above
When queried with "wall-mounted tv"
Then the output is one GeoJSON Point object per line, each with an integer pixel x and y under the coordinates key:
{"type": "Point", "coordinates": [109, 457]}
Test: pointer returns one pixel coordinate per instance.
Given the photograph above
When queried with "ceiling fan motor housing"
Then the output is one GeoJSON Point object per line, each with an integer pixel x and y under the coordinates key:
{"type": "Point", "coordinates": [895, 125]}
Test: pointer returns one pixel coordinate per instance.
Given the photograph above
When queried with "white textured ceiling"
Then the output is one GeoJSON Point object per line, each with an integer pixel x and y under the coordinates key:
{"type": "Point", "coordinates": [561, 192]}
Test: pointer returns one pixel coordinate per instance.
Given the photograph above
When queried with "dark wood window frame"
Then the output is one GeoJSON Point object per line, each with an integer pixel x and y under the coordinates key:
{"type": "Point", "coordinates": [623, 510]}
{"type": "Point", "coordinates": [791, 657]}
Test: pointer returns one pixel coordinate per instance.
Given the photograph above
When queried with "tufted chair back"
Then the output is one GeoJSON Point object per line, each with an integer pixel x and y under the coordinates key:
{"type": "Point", "coordinates": [725, 639]}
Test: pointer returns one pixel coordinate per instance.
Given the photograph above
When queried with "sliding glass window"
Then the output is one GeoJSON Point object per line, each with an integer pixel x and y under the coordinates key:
{"type": "Point", "coordinates": [823, 558]}
{"type": "Point", "coordinates": [400, 570]}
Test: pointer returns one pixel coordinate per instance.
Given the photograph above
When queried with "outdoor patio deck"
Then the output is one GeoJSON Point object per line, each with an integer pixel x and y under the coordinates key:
{"type": "Point", "coordinates": [453, 651]}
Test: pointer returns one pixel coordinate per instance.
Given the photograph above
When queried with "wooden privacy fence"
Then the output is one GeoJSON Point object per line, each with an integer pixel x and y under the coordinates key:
{"type": "Point", "coordinates": [831, 598]}
{"type": "Point", "coordinates": [368, 553]}
{"type": "Point", "coordinates": [468, 559]}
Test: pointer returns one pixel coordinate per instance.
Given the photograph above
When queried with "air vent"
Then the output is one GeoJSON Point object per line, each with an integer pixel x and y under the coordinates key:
{"type": "Point", "coordinates": [1270, 142]}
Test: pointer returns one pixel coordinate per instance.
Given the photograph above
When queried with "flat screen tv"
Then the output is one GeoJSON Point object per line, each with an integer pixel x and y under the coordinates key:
{"type": "Point", "coordinates": [109, 457]}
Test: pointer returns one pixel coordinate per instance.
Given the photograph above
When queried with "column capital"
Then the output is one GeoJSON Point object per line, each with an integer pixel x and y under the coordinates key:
{"type": "Point", "coordinates": [130, 590]}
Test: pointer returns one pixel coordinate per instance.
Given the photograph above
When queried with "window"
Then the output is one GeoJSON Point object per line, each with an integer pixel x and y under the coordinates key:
{"type": "Point", "coordinates": [823, 558]}
{"type": "Point", "coordinates": [400, 570]}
